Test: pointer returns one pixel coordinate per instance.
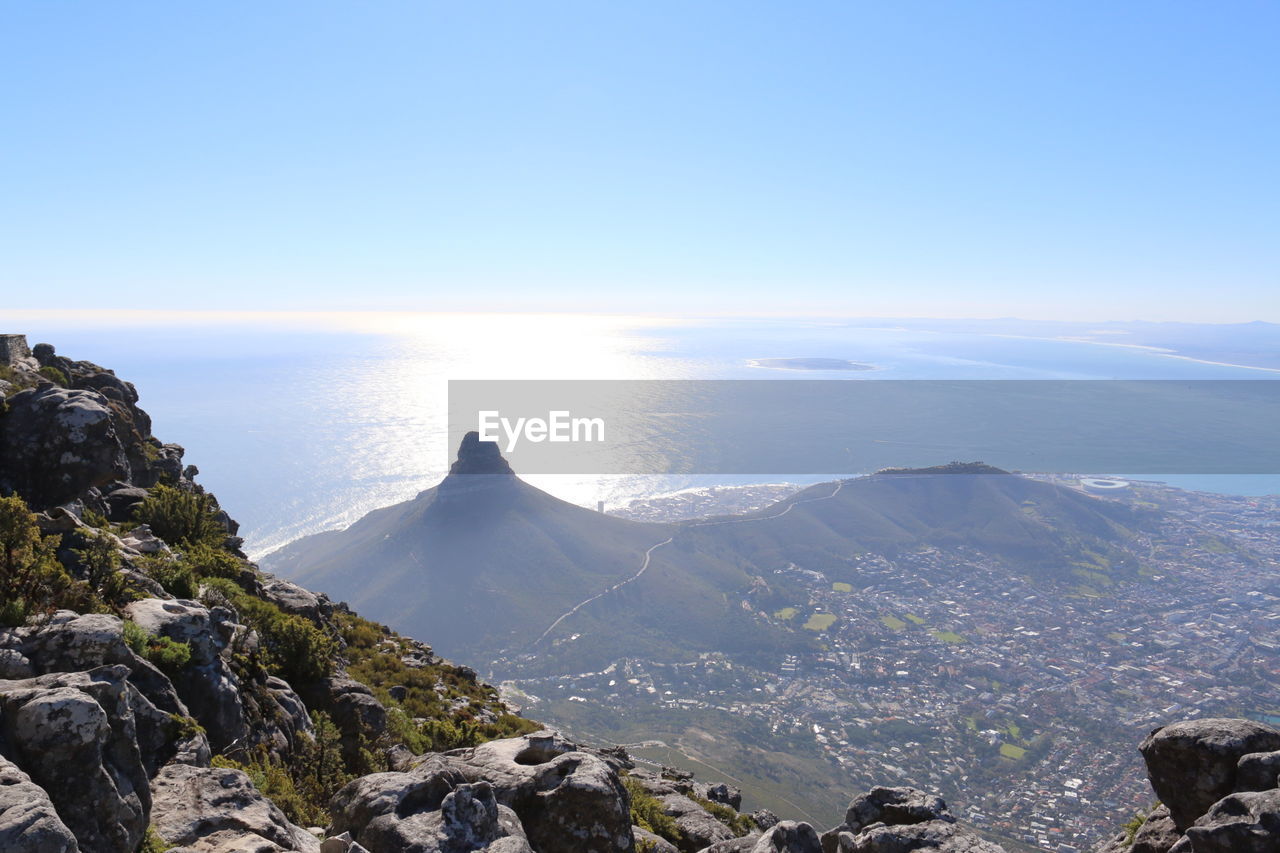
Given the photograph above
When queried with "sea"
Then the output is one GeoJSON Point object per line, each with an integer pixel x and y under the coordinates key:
{"type": "Point", "coordinates": [304, 422]}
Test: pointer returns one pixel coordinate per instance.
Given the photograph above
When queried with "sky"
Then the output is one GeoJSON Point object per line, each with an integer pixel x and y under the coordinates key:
{"type": "Point", "coordinates": [1052, 160]}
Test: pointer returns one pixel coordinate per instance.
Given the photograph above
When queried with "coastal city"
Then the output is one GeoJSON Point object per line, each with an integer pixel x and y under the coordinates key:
{"type": "Point", "coordinates": [1020, 699]}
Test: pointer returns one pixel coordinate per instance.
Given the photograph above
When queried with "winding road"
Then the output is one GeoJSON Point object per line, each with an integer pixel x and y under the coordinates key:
{"type": "Point", "coordinates": [648, 554]}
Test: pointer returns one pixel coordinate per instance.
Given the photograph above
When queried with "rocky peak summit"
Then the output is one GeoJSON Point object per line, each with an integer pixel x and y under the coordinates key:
{"type": "Point", "coordinates": [479, 457]}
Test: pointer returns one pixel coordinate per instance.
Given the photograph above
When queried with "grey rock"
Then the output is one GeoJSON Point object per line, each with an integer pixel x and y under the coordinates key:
{"type": "Point", "coordinates": [734, 845]}
{"type": "Point", "coordinates": [1247, 822]}
{"type": "Point", "coordinates": [57, 443]}
{"type": "Point", "coordinates": [569, 800]}
{"type": "Point", "coordinates": [213, 808]}
{"type": "Point", "coordinates": [28, 821]}
{"type": "Point", "coordinates": [652, 843]}
{"type": "Point", "coordinates": [726, 795]}
{"type": "Point", "coordinates": [764, 818]}
{"type": "Point", "coordinates": [934, 836]}
{"type": "Point", "coordinates": [1258, 771]}
{"type": "Point", "coordinates": [75, 735]}
{"type": "Point", "coordinates": [430, 809]}
{"type": "Point", "coordinates": [1157, 834]}
{"type": "Point", "coordinates": [341, 844]}
{"type": "Point", "coordinates": [789, 836]}
{"type": "Point", "coordinates": [699, 828]}
{"type": "Point", "coordinates": [122, 501]}
{"type": "Point", "coordinates": [894, 807]}
{"type": "Point", "coordinates": [292, 598]}
{"type": "Point", "coordinates": [1192, 764]}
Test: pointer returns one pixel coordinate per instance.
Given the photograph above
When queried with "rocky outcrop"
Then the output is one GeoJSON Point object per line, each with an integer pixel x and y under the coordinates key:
{"type": "Point", "coordinates": [567, 799]}
{"type": "Point", "coordinates": [430, 809]}
{"type": "Point", "coordinates": [28, 821]}
{"type": "Point", "coordinates": [218, 809]}
{"type": "Point", "coordinates": [789, 836]}
{"type": "Point", "coordinates": [1192, 764]}
{"type": "Point", "coordinates": [74, 735]}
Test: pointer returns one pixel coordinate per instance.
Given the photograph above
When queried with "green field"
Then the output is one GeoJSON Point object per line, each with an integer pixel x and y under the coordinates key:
{"type": "Point", "coordinates": [949, 637]}
{"type": "Point", "coordinates": [915, 619]}
{"type": "Point", "coordinates": [786, 613]}
{"type": "Point", "coordinates": [893, 623]}
{"type": "Point", "coordinates": [839, 586]}
{"type": "Point", "coordinates": [820, 621]}
{"type": "Point", "coordinates": [1008, 750]}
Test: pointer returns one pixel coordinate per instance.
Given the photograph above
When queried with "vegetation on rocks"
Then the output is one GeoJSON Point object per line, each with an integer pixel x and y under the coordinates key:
{"type": "Point", "coordinates": [181, 518]}
{"type": "Point", "coordinates": [647, 813]}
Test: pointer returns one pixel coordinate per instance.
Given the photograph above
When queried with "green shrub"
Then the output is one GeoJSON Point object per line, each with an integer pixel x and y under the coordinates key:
{"type": "Point", "coordinates": [175, 575]}
{"type": "Point", "coordinates": [32, 581]}
{"type": "Point", "coordinates": [180, 518]}
{"type": "Point", "coordinates": [153, 843]}
{"type": "Point", "coordinates": [647, 813]}
{"type": "Point", "coordinates": [740, 824]}
{"type": "Point", "coordinates": [208, 561]}
{"type": "Point", "coordinates": [296, 650]}
{"type": "Point", "coordinates": [56, 376]}
{"type": "Point", "coordinates": [168, 655]}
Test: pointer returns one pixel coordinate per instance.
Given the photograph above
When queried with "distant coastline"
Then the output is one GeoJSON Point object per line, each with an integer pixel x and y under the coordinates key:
{"type": "Point", "coordinates": [810, 364]}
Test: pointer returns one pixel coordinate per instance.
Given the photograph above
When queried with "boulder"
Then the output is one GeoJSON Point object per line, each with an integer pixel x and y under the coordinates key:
{"type": "Point", "coordinates": [218, 808]}
{"type": "Point", "coordinates": [1192, 764]}
{"type": "Point", "coordinates": [28, 821]}
{"type": "Point", "coordinates": [75, 735]}
{"type": "Point", "coordinates": [789, 836]}
{"type": "Point", "coordinates": [764, 818]}
{"type": "Point", "coordinates": [56, 443]}
{"type": "Point", "coordinates": [1157, 834]}
{"type": "Point", "coordinates": [652, 843]}
{"type": "Point", "coordinates": [430, 809]}
{"type": "Point", "coordinates": [933, 836]}
{"type": "Point", "coordinates": [1247, 822]}
{"type": "Point", "coordinates": [292, 598]}
{"type": "Point", "coordinates": [355, 711]}
{"type": "Point", "coordinates": [123, 500]}
{"type": "Point", "coordinates": [568, 800]}
{"type": "Point", "coordinates": [726, 795]}
{"type": "Point", "coordinates": [699, 828]}
{"type": "Point", "coordinates": [895, 807]}
{"type": "Point", "coordinates": [733, 845]}
{"type": "Point", "coordinates": [1258, 771]}
{"type": "Point", "coordinates": [207, 684]}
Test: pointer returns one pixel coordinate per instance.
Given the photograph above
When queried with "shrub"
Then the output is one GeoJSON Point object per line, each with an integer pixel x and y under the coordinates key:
{"type": "Point", "coordinates": [153, 843]}
{"type": "Point", "coordinates": [647, 813]}
{"type": "Point", "coordinates": [175, 575]}
{"type": "Point", "coordinates": [297, 650]}
{"type": "Point", "coordinates": [32, 581]}
{"type": "Point", "coordinates": [56, 376]}
{"type": "Point", "coordinates": [208, 561]}
{"type": "Point", "coordinates": [168, 655]}
{"type": "Point", "coordinates": [180, 518]}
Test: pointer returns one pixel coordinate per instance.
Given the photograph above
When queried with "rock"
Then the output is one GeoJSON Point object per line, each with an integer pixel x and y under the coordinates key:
{"type": "Point", "coordinates": [292, 598]}
{"type": "Point", "coordinates": [652, 843]}
{"type": "Point", "coordinates": [789, 836]}
{"type": "Point", "coordinates": [28, 821]}
{"type": "Point", "coordinates": [207, 684]}
{"type": "Point", "coordinates": [341, 844]}
{"type": "Point", "coordinates": [292, 709]}
{"type": "Point", "coordinates": [215, 808]}
{"type": "Point", "coordinates": [764, 818]}
{"type": "Point", "coordinates": [1192, 764]}
{"type": "Point", "coordinates": [431, 809]}
{"type": "Point", "coordinates": [569, 800]}
{"type": "Point", "coordinates": [70, 642]}
{"type": "Point", "coordinates": [56, 443]}
{"type": "Point", "coordinates": [895, 807]}
{"type": "Point", "coordinates": [934, 836]}
{"type": "Point", "coordinates": [142, 541]}
{"type": "Point", "coordinates": [726, 795]}
{"type": "Point", "coordinates": [76, 737]}
{"type": "Point", "coordinates": [1157, 834]}
{"type": "Point", "coordinates": [1247, 822]}
{"type": "Point", "coordinates": [1258, 771]}
{"type": "Point", "coordinates": [699, 828]}
{"type": "Point", "coordinates": [122, 501]}
{"type": "Point", "coordinates": [734, 845]}
{"type": "Point", "coordinates": [13, 349]}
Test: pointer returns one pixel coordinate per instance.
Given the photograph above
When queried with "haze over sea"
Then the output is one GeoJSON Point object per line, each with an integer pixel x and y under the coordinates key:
{"type": "Point", "coordinates": [301, 423]}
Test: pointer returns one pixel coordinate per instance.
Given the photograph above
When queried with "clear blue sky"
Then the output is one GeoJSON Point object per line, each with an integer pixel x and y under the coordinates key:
{"type": "Point", "coordinates": [1102, 160]}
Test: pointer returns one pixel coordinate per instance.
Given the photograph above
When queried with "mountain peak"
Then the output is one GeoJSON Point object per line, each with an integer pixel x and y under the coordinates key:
{"type": "Point", "coordinates": [479, 457]}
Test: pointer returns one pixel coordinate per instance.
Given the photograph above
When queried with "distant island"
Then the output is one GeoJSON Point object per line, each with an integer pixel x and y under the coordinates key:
{"type": "Point", "coordinates": [810, 364]}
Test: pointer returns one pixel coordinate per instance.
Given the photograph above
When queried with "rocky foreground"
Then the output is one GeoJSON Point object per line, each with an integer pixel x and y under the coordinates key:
{"type": "Point", "coordinates": [158, 692]}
